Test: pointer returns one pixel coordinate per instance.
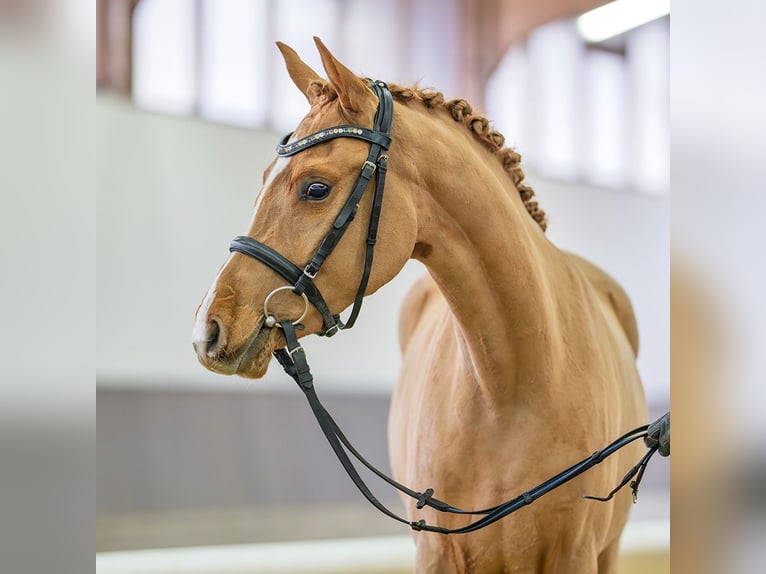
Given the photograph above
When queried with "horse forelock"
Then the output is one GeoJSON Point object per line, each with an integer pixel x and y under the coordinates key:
{"type": "Point", "coordinates": [321, 90]}
{"type": "Point", "coordinates": [461, 112]}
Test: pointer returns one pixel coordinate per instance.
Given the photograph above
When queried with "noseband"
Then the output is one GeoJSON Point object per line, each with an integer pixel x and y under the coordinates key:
{"type": "Point", "coordinates": [302, 282]}
{"type": "Point", "coordinates": [293, 357]}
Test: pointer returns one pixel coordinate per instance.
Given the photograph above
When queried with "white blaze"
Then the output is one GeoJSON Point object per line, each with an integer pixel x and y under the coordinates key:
{"type": "Point", "coordinates": [279, 167]}
{"type": "Point", "coordinates": [199, 332]}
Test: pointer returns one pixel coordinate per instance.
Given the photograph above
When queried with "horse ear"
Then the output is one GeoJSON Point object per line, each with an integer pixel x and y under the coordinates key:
{"type": "Point", "coordinates": [300, 72]}
{"type": "Point", "coordinates": [352, 90]}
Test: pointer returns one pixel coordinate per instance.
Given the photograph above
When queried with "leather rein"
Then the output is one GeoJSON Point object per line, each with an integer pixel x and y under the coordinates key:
{"type": "Point", "coordinates": [293, 359]}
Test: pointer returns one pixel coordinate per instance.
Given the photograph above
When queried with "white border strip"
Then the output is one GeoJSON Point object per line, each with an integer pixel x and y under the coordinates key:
{"type": "Point", "coordinates": [339, 556]}
{"type": "Point", "coordinates": [359, 555]}
{"type": "Point", "coordinates": [646, 536]}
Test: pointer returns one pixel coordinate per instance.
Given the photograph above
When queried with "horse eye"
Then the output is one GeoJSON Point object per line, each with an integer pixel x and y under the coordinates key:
{"type": "Point", "coordinates": [316, 191]}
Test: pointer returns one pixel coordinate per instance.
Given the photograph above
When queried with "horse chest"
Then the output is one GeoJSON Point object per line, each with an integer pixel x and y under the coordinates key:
{"type": "Point", "coordinates": [441, 434]}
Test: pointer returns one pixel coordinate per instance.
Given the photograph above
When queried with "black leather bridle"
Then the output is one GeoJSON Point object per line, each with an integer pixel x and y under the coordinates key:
{"type": "Point", "coordinates": [376, 163]}
{"type": "Point", "coordinates": [293, 357]}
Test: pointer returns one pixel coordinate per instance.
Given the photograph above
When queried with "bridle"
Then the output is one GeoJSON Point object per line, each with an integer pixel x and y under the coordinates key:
{"type": "Point", "coordinates": [293, 360]}
{"type": "Point", "coordinates": [302, 282]}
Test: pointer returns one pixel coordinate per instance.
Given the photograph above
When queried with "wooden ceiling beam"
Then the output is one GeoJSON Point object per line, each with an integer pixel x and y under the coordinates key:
{"type": "Point", "coordinates": [490, 27]}
{"type": "Point", "coordinates": [114, 45]}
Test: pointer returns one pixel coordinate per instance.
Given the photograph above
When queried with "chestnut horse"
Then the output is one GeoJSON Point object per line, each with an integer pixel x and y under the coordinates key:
{"type": "Point", "coordinates": [519, 358]}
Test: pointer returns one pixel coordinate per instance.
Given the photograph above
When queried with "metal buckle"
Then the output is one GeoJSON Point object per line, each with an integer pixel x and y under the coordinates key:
{"type": "Point", "coordinates": [369, 165]}
{"type": "Point", "coordinates": [308, 274]}
{"type": "Point", "coordinates": [295, 350]}
{"type": "Point", "coordinates": [332, 330]}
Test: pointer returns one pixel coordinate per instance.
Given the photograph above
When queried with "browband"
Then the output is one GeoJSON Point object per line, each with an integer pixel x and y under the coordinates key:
{"type": "Point", "coordinates": [284, 149]}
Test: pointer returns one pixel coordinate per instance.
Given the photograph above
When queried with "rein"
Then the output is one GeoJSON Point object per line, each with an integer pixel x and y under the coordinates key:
{"type": "Point", "coordinates": [294, 362]}
{"type": "Point", "coordinates": [293, 359]}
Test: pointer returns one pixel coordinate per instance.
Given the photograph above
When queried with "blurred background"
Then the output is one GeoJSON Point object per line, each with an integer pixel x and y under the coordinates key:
{"type": "Point", "coordinates": [50, 140]}
{"type": "Point", "coordinates": [192, 97]}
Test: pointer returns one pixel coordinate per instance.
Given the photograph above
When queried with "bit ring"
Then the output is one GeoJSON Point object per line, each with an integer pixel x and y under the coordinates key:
{"type": "Point", "coordinates": [271, 320]}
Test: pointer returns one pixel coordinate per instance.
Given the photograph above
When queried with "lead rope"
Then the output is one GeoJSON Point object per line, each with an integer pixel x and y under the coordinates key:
{"type": "Point", "coordinates": [294, 362]}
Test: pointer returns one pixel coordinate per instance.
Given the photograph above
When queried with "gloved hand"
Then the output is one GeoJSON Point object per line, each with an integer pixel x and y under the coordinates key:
{"type": "Point", "coordinates": [658, 433]}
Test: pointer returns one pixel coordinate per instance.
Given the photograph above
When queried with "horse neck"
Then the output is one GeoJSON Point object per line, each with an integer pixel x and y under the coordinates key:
{"type": "Point", "coordinates": [492, 262]}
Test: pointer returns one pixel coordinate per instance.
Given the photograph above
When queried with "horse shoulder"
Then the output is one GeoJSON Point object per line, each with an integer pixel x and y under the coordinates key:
{"type": "Point", "coordinates": [614, 294]}
{"type": "Point", "coordinates": [414, 307]}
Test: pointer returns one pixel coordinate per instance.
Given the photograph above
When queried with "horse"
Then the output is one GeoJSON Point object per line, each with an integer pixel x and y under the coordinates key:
{"type": "Point", "coordinates": [518, 358]}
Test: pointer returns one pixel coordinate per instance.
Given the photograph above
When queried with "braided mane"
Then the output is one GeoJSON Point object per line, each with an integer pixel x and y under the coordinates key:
{"type": "Point", "coordinates": [462, 112]}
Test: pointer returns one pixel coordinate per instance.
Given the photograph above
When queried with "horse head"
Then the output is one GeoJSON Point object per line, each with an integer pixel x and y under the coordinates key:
{"type": "Point", "coordinates": [302, 197]}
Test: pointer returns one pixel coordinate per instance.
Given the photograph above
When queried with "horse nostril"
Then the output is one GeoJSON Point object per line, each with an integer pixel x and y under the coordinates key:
{"type": "Point", "coordinates": [209, 336]}
{"type": "Point", "coordinates": [213, 330]}
{"type": "Point", "coordinates": [214, 337]}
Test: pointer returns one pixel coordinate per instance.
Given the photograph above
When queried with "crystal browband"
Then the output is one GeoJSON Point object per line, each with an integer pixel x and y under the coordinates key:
{"type": "Point", "coordinates": [286, 149]}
